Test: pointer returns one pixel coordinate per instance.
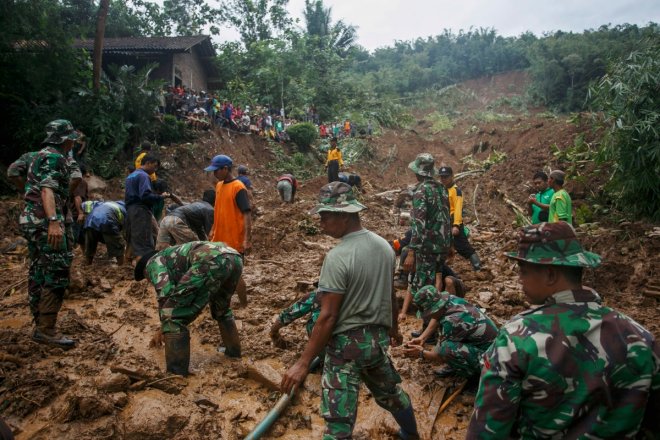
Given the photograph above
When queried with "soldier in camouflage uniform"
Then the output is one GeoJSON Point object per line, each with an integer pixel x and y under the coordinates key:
{"type": "Point", "coordinates": [465, 332]}
{"type": "Point", "coordinates": [357, 321]}
{"type": "Point", "coordinates": [47, 187]}
{"type": "Point", "coordinates": [308, 304]}
{"type": "Point", "coordinates": [431, 227]}
{"type": "Point", "coordinates": [186, 278]}
{"type": "Point", "coordinates": [570, 367]}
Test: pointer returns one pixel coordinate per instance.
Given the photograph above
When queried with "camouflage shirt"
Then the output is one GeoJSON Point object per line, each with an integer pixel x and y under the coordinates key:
{"type": "Point", "coordinates": [49, 169]}
{"type": "Point", "coordinates": [309, 303]}
{"type": "Point", "coordinates": [167, 268]}
{"type": "Point", "coordinates": [570, 368]}
{"type": "Point", "coordinates": [429, 219]}
{"type": "Point", "coordinates": [461, 321]}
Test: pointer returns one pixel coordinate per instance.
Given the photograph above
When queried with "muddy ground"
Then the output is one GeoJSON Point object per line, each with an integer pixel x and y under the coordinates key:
{"type": "Point", "coordinates": [113, 385]}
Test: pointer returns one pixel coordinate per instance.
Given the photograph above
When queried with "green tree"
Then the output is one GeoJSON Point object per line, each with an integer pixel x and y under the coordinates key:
{"type": "Point", "coordinates": [629, 96]}
{"type": "Point", "coordinates": [339, 37]}
{"type": "Point", "coordinates": [257, 20]}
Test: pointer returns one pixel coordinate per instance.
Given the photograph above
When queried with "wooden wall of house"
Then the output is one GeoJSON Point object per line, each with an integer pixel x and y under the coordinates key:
{"type": "Point", "coordinates": [189, 67]}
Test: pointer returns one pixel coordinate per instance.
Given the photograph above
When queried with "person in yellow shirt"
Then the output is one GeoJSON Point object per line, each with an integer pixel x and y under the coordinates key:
{"type": "Point", "coordinates": [334, 161]}
{"type": "Point", "coordinates": [461, 243]}
{"type": "Point", "coordinates": [145, 148]}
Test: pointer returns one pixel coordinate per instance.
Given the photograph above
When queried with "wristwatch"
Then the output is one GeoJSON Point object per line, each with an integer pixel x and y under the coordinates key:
{"type": "Point", "coordinates": [53, 219]}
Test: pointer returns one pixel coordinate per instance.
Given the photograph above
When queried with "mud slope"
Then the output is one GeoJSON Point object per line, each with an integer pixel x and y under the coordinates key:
{"type": "Point", "coordinates": [113, 385]}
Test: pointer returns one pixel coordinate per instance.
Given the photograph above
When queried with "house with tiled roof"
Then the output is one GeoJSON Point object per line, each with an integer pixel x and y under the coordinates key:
{"type": "Point", "coordinates": [187, 61]}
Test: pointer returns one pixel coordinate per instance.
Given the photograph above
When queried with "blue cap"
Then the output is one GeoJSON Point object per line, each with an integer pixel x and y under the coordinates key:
{"type": "Point", "coordinates": [218, 162]}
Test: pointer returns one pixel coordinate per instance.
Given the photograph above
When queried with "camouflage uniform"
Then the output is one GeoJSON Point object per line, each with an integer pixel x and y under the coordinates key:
{"type": "Point", "coordinates": [570, 368]}
{"type": "Point", "coordinates": [430, 224]}
{"type": "Point", "coordinates": [308, 304]}
{"type": "Point", "coordinates": [189, 276]}
{"type": "Point", "coordinates": [359, 354]}
{"type": "Point", "coordinates": [465, 332]}
{"type": "Point", "coordinates": [49, 268]}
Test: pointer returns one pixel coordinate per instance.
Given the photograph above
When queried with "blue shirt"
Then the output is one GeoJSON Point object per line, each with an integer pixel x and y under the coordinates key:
{"type": "Point", "coordinates": [138, 189]}
{"type": "Point", "coordinates": [106, 217]}
{"type": "Point", "coordinates": [246, 180]}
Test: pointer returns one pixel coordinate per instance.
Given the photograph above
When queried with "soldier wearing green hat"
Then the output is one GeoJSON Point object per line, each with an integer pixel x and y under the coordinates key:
{"type": "Point", "coordinates": [357, 322]}
{"type": "Point", "coordinates": [43, 225]}
{"type": "Point", "coordinates": [570, 367]}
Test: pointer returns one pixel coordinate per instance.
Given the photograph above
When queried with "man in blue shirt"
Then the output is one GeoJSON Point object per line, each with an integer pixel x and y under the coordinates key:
{"type": "Point", "coordinates": [139, 199]}
{"type": "Point", "coordinates": [103, 223]}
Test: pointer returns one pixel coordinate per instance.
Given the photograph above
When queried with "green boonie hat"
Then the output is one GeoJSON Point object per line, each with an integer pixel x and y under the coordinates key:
{"type": "Point", "coordinates": [423, 165]}
{"type": "Point", "coordinates": [337, 197]}
{"type": "Point", "coordinates": [59, 131]}
{"type": "Point", "coordinates": [552, 243]}
{"type": "Point", "coordinates": [428, 300]}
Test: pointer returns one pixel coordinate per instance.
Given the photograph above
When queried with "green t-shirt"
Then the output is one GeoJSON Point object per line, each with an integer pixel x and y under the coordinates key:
{"type": "Point", "coordinates": [542, 197]}
{"type": "Point", "coordinates": [360, 267]}
{"type": "Point", "coordinates": [561, 207]}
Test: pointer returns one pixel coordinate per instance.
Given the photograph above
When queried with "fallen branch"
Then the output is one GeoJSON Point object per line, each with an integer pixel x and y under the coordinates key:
{"type": "Point", "coordinates": [452, 397]}
{"type": "Point", "coordinates": [474, 204]}
{"type": "Point", "coordinates": [516, 208]}
{"type": "Point", "coordinates": [9, 288]}
{"type": "Point", "coordinates": [9, 358]}
{"type": "Point", "coordinates": [279, 263]}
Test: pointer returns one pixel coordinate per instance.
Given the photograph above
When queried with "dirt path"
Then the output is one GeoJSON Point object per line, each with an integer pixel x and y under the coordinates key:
{"type": "Point", "coordinates": [113, 385]}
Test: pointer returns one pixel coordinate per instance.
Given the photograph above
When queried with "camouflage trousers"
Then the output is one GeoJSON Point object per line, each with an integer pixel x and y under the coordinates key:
{"type": "Point", "coordinates": [426, 266]}
{"type": "Point", "coordinates": [463, 358]}
{"type": "Point", "coordinates": [48, 273]}
{"type": "Point", "coordinates": [358, 355]}
{"type": "Point", "coordinates": [209, 280]}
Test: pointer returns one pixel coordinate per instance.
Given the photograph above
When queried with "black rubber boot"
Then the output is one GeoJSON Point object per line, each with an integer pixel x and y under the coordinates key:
{"type": "Point", "coordinates": [177, 352]}
{"type": "Point", "coordinates": [44, 332]}
{"type": "Point", "coordinates": [230, 339]}
{"type": "Point", "coordinates": [476, 263]}
{"type": "Point", "coordinates": [406, 420]}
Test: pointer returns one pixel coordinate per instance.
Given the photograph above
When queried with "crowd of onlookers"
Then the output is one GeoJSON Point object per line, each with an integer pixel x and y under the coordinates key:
{"type": "Point", "coordinates": [202, 111]}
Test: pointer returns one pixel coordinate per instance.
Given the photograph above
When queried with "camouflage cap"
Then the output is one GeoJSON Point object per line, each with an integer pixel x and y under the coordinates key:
{"type": "Point", "coordinates": [428, 300]}
{"type": "Point", "coordinates": [337, 197]}
{"type": "Point", "coordinates": [552, 243]}
{"type": "Point", "coordinates": [59, 131]}
{"type": "Point", "coordinates": [423, 165]}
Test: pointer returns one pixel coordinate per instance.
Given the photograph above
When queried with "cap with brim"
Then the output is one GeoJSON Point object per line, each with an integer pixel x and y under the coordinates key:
{"type": "Point", "coordinates": [429, 301]}
{"type": "Point", "coordinates": [423, 165]}
{"type": "Point", "coordinates": [445, 171]}
{"type": "Point", "coordinates": [59, 131]}
{"type": "Point", "coordinates": [553, 244]}
{"type": "Point", "coordinates": [337, 197]}
{"type": "Point", "coordinates": [218, 162]}
{"type": "Point", "coordinates": [138, 273]}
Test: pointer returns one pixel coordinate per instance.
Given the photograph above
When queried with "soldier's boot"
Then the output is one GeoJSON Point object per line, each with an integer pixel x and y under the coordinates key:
{"type": "Point", "coordinates": [406, 420]}
{"type": "Point", "coordinates": [44, 332]}
{"type": "Point", "coordinates": [476, 263]}
{"type": "Point", "coordinates": [230, 338]}
{"type": "Point", "coordinates": [177, 352]}
{"type": "Point", "coordinates": [241, 291]}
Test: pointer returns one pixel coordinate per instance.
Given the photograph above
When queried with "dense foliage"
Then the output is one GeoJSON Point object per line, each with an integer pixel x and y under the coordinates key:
{"type": "Point", "coordinates": [629, 96]}
{"type": "Point", "coordinates": [303, 135]}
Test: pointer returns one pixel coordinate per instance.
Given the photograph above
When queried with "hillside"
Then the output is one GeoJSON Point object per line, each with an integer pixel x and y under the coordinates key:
{"type": "Point", "coordinates": [112, 385]}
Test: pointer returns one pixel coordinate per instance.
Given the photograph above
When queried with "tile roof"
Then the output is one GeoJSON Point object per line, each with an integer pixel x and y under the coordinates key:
{"type": "Point", "coordinates": [139, 44]}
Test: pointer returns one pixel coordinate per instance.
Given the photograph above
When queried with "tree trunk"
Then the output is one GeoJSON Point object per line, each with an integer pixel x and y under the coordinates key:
{"type": "Point", "coordinates": [98, 44]}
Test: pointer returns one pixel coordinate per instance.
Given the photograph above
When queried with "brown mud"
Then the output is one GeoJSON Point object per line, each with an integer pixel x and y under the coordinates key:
{"type": "Point", "coordinates": [113, 384]}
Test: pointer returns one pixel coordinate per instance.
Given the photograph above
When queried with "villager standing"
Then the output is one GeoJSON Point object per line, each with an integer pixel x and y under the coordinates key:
{"type": "Point", "coordinates": [232, 221]}
{"type": "Point", "coordinates": [140, 199]}
{"type": "Point", "coordinates": [357, 322]}
{"type": "Point", "coordinates": [42, 224]}
{"type": "Point", "coordinates": [461, 242]}
{"type": "Point", "coordinates": [561, 208]}
{"type": "Point", "coordinates": [186, 278]}
{"type": "Point", "coordinates": [334, 161]}
{"type": "Point", "coordinates": [569, 367]}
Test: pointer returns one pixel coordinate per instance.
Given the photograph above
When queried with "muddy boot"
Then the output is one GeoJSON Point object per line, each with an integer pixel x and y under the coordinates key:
{"type": "Point", "coordinates": [44, 332]}
{"type": "Point", "coordinates": [177, 352]}
{"type": "Point", "coordinates": [230, 339]}
{"type": "Point", "coordinates": [476, 263]}
{"type": "Point", "coordinates": [406, 420]}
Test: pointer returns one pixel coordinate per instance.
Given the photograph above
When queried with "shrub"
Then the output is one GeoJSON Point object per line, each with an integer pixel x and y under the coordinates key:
{"type": "Point", "coordinates": [303, 135]}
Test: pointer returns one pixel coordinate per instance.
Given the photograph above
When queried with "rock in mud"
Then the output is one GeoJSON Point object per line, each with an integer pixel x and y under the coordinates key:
{"type": "Point", "coordinates": [265, 374]}
{"type": "Point", "coordinates": [150, 418]}
{"type": "Point", "coordinates": [113, 382]}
